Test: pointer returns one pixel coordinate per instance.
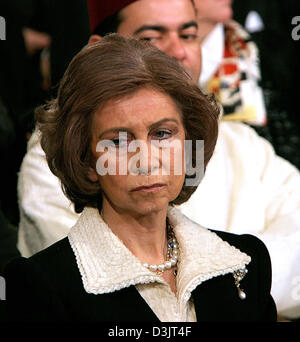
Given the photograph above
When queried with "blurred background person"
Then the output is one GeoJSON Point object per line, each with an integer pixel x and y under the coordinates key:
{"type": "Point", "coordinates": [20, 91]}
{"type": "Point", "coordinates": [42, 36]}
{"type": "Point", "coordinates": [254, 75]}
{"type": "Point", "coordinates": [270, 26]}
{"type": "Point", "coordinates": [251, 63]}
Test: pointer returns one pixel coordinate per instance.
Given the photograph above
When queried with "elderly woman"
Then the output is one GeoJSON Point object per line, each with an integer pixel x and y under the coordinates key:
{"type": "Point", "coordinates": [132, 256]}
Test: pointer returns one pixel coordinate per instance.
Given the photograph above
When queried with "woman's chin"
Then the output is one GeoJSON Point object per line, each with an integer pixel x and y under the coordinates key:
{"type": "Point", "coordinates": [150, 207]}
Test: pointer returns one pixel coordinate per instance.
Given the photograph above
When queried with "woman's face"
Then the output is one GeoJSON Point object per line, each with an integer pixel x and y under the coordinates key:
{"type": "Point", "coordinates": [138, 144]}
{"type": "Point", "coordinates": [216, 11]}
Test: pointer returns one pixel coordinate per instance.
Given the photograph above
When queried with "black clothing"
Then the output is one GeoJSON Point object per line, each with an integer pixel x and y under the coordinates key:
{"type": "Point", "coordinates": [280, 69]}
{"type": "Point", "coordinates": [8, 240]}
{"type": "Point", "coordinates": [48, 287]}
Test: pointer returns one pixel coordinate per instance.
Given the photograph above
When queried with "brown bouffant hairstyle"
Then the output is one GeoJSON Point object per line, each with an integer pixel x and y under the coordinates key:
{"type": "Point", "coordinates": [111, 69]}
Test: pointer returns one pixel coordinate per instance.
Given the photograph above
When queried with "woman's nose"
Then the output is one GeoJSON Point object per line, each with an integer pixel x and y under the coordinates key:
{"type": "Point", "coordinates": [145, 161]}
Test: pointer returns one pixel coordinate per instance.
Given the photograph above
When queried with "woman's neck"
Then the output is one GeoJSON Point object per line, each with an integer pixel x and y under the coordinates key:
{"type": "Point", "coordinates": [144, 235]}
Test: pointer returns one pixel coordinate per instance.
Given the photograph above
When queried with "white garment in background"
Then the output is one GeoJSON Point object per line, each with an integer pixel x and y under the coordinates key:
{"type": "Point", "coordinates": [212, 49]}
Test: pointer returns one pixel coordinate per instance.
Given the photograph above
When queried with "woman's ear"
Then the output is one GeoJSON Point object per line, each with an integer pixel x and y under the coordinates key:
{"type": "Point", "coordinates": [93, 175]}
{"type": "Point", "coordinates": [94, 38]}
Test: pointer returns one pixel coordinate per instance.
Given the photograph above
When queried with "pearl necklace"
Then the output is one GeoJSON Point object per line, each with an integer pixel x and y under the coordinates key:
{"type": "Point", "coordinates": [172, 255]}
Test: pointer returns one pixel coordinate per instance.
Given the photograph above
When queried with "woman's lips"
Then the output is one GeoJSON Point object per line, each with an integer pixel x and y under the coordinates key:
{"type": "Point", "coordinates": [149, 188]}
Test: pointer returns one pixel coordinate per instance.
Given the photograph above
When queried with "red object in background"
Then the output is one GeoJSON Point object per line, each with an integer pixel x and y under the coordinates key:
{"type": "Point", "coordinates": [99, 10]}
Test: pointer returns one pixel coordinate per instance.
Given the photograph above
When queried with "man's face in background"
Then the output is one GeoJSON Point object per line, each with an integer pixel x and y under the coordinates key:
{"type": "Point", "coordinates": [170, 25]}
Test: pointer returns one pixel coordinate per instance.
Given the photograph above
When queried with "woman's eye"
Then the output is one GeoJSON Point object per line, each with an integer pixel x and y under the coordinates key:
{"type": "Point", "coordinates": [119, 143]}
{"type": "Point", "coordinates": [162, 134]}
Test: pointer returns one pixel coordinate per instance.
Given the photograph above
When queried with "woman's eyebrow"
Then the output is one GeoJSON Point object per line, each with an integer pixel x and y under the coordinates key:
{"type": "Point", "coordinates": [162, 121]}
{"type": "Point", "coordinates": [127, 129]}
{"type": "Point", "coordinates": [114, 130]}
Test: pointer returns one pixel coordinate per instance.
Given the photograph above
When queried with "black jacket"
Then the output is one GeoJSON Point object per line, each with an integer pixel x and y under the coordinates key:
{"type": "Point", "coordinates": [8, 242]}
{"type": "Point", "coordinates": [48, 287]}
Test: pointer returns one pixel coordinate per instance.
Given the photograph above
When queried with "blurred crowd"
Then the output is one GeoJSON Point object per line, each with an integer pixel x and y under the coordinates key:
{"type": "Point", "coordinates": [42, 37]}
{"type": "Point", "coordinates": [280, 70]}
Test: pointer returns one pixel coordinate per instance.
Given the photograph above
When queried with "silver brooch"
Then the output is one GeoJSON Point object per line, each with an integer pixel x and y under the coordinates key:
{"type": "Point", "coordinates": [238, 276]}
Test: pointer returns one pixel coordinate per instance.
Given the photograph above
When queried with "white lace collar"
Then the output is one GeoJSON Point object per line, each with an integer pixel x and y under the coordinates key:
{"type": "Point", "coordinates": [106, 265]}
